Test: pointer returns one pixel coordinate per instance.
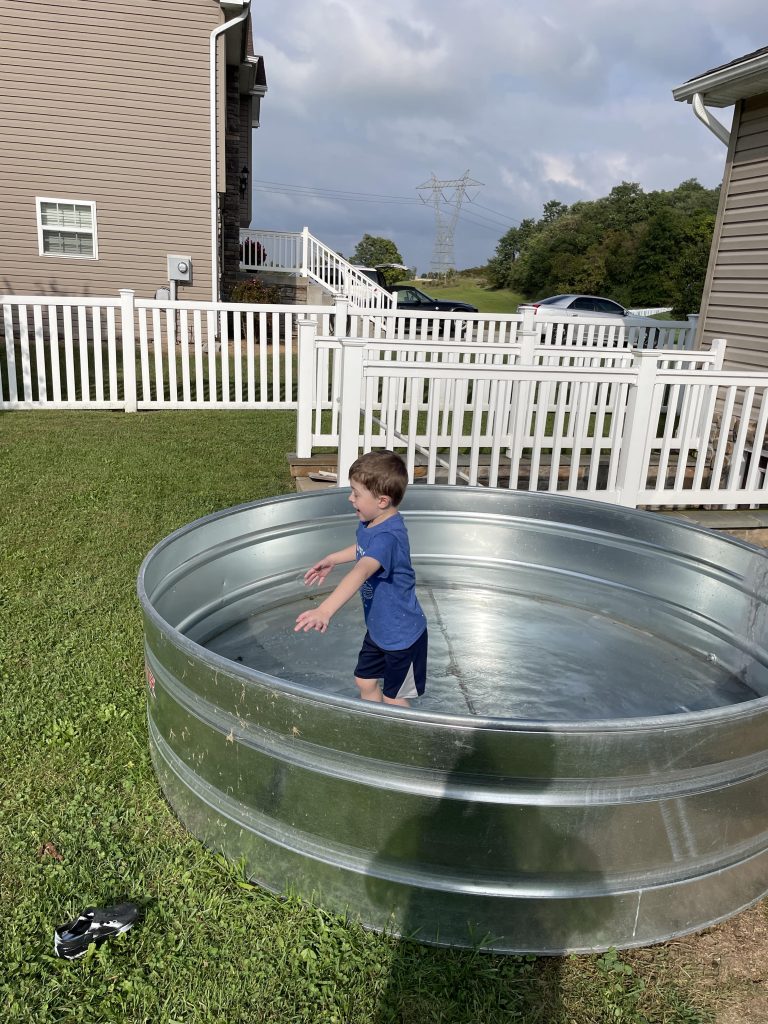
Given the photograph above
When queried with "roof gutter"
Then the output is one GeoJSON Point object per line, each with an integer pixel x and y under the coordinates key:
{"type": "Point", "coordinates": [716, 127]}
{"type": "Point", "coordinates": [708, 85]}
{"type": "Point", "coordinates": [214, 138]}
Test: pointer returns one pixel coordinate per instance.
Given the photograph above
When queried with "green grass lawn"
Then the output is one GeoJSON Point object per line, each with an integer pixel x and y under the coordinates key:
{"type": "Point", "coordinates": [85, 495]}
{"type": "Point", "coordinates": [473, 290]}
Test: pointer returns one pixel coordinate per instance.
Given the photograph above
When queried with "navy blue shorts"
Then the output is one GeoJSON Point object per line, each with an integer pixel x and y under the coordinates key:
{"type": "Point", "coordinates": [402, 673]}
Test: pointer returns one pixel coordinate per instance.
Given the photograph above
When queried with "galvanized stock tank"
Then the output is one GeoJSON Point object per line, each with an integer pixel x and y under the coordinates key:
{"type": "Point", "coordinates": [588, 767]}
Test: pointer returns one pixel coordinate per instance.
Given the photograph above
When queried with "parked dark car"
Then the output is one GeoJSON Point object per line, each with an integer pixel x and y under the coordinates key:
{"type": "Point", "coordinates": [409, 297]}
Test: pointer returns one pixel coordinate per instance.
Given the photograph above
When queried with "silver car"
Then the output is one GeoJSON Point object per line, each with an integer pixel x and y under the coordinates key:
{"type": "Point", "coordinates": [581, 305]}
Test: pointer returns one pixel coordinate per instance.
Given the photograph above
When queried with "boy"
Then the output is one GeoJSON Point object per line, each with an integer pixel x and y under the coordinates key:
{"type": "Point", "coordinates": [395, 646]}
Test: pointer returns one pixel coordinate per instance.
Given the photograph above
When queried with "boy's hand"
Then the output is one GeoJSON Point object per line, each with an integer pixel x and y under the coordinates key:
{"type": "Point", "coordinates": [318, 572]}
{"type": "Point", "coordinates": [314, 618]}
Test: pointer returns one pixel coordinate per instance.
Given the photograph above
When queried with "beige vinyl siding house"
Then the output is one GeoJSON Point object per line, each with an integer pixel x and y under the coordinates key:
{"type": "Point", "coordinates": [735, 300]}
{"type": "Point", "coordinates": [106, 133]}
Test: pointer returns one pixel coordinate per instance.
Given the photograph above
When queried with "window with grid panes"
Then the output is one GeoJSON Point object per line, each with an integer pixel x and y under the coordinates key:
{"type": "Point", "coordinates": [67, 227]}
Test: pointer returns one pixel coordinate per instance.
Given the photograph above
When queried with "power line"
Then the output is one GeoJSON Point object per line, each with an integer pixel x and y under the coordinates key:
{"type": "Point", "coordinates": [488, 225]}
{"type": "Point", "coordinates": [478, 217]}
{"type": "Point", "coordinates": [280, 186]}
{"type": "Point", "coordinates": [349, 195]}
{"type": "Point", "coordinates": [514, 223]}
{"type": "Point", "coordinates": [336, 198]}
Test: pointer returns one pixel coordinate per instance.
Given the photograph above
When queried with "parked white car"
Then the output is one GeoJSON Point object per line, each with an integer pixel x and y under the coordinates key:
{"type": "Point", "coordinates": [557, 306]}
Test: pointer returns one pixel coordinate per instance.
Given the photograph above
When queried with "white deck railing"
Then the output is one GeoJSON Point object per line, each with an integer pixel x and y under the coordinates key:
{"type": "Point", "coordinates": [303, 254]}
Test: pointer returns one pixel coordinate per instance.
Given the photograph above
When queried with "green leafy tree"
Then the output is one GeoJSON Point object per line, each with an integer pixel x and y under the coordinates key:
{"type": "Point", "coordinates": [374, 251]}
{"type": "Point", "coordinates": [508, 250]}
{"type": "Point", "coordinates": [689, 270]}
{"type": "Point", "coordinates": [552, 210]}
{"type": "Point", "coordinates": [636, 247]}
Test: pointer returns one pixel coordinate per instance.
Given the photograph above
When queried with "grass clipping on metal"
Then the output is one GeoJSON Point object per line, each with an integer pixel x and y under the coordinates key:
{"type": "Point", "coordinates": [85, 496]}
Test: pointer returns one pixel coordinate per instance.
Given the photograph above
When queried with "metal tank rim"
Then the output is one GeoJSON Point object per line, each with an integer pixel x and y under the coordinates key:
{"type": "Point", "coordinates": [653, 723]}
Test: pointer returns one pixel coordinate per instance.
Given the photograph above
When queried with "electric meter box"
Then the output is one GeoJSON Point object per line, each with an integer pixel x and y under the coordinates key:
{"type": "Point", "coordinates": [180, 269]}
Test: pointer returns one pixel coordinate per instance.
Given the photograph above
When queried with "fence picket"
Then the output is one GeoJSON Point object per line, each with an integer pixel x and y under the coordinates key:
{"type": "Point", "coordinates": [82, 348]}
{"type": "Point", "coordinates": [157, 348]}
{"type": "Point", "coordinates": [69, 355]}
{"type": "Point", "coordinates": [737, 455]}
{"type": "Point", "coordinates": [53, 348]}
{"type": "Point", "coordinates": [754, 455]}
{"type": "Point", "coordinates": [224, 354]}
{"type": "Point", "coordinates": [184, 351]}
{"type": "Point", "coordinates": [250, 375]}
{"type": "Point", "coordinates": [42, 383]}
{"type": "Point", "coordinates": [10, 356]}
{"type": "Point", "coordinates": [170, 349]}
{"type": "Point", "coordinates": [98, 378]}
{"type": "Point", "coordinates": [144, 356]}
{"type": "Point", "coordinates": [26, 369]}
{"type": "Point", "coordinates": [237, 356]}
{"type": "Point", "coordinates": [112, 353]}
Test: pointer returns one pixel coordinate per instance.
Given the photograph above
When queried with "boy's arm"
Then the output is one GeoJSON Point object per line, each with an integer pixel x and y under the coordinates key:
{"type": "Point", "coordinates": [318, 572]}
{"type": "Point", "coordinates": [318, 618]}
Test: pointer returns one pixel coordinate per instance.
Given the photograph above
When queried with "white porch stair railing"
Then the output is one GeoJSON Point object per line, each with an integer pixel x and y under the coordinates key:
{"type": "Point", "coordinates": [301, 253]}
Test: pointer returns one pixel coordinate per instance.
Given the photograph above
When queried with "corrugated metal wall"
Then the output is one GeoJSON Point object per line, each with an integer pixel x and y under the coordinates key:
{"type": "Point", "coordinates": [106, 100]}
{"type": "Point", "coordinates": [736, 293]}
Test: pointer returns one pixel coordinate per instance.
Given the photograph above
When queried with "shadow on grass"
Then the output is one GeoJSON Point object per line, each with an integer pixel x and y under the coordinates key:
{"type": "Point", "coordinates": [491, 868]}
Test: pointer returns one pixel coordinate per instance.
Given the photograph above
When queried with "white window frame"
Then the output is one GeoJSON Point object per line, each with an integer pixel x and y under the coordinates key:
{"type": "Point", "coordinates": [39, 200]}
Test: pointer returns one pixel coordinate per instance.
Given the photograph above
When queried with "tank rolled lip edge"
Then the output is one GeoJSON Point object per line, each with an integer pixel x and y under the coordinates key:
{"type": "Point", "coordinates": [651, 723]}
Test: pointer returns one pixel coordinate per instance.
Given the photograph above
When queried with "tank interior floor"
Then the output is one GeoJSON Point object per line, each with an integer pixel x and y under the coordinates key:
{"type": "Point", "coordinates": [498, 654]}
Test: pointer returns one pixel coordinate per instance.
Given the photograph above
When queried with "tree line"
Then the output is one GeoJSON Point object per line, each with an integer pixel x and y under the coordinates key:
{"type": "Point", "coordinates": [639, 248]}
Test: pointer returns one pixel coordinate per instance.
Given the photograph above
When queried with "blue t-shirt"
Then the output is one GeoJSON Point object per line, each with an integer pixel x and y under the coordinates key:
{"type": "Point", "coordinates": [393, 614]}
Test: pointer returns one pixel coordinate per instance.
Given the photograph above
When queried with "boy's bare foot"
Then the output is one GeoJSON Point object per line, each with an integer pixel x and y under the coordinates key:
{"type": "Point", "coordinates": [402, 702]}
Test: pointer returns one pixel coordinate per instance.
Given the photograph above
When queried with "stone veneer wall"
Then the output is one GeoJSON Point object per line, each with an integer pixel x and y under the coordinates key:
{"type": "Point", "coordinates": [229, 202]}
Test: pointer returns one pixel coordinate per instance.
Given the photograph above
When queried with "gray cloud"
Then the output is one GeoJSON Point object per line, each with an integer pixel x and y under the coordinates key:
{"type": "Point", "coordinates": [555, 100]}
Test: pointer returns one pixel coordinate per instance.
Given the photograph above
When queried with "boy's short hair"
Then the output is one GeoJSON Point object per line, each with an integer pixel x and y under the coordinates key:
{"type": "Point", "coordinates": [383, 473]}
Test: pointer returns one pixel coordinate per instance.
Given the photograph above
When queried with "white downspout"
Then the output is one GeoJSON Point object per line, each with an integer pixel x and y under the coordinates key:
{"type": "Point", "coordinates": [214, 156]}
{"type": "Point", "coordinates": [715, 126]}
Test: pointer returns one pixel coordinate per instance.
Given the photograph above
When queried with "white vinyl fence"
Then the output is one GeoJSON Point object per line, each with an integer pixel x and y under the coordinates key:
{"type": "Point", "coordinates": [480, 398]}
{"type": "Point", "coordinates": [465, 341]}
{"type": "Point", "coordinates": [131, 353]}
{"type": "Point", "coordinates": [639, 427]}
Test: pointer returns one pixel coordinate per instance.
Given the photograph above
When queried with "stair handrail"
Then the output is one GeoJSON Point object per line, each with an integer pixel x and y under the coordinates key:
{"type": "Point", "coordinates": [337, 275]}
{"type": "Point", "coordinates": [300, 252]}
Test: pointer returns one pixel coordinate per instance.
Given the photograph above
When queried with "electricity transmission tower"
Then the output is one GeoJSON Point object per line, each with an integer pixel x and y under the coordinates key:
{"type": "Point", "coordinates": [446, 197]}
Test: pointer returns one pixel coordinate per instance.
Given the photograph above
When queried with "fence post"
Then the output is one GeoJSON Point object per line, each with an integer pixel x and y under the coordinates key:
{"type": "Point", "coordinates": [690, 336]}
{"type": "Point", "coordinates": [718, 346]}
{"type": "Point", "coordinates": [638, 428]}
{"type": "Point", "coordinates": [520, 400]}
{"type": "Point", "coordinates": [341, 313]}
{"type": "Point", "coordinates": [305, 387]}
{"type": "Point", "coordinates": [304, 251]}
{"type": "Point", "coordinates": [352, 352]}
{"type": "Point", "coordinates": [128, 333]}
{"type": "Point", "coordinates": [706, 399]}
{"type": "Point", "coordinates": [527, 337]}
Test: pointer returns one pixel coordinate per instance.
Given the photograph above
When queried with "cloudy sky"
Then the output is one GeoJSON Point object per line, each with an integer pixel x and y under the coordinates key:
{"type": "Point", "coordinates": [537, 100]}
